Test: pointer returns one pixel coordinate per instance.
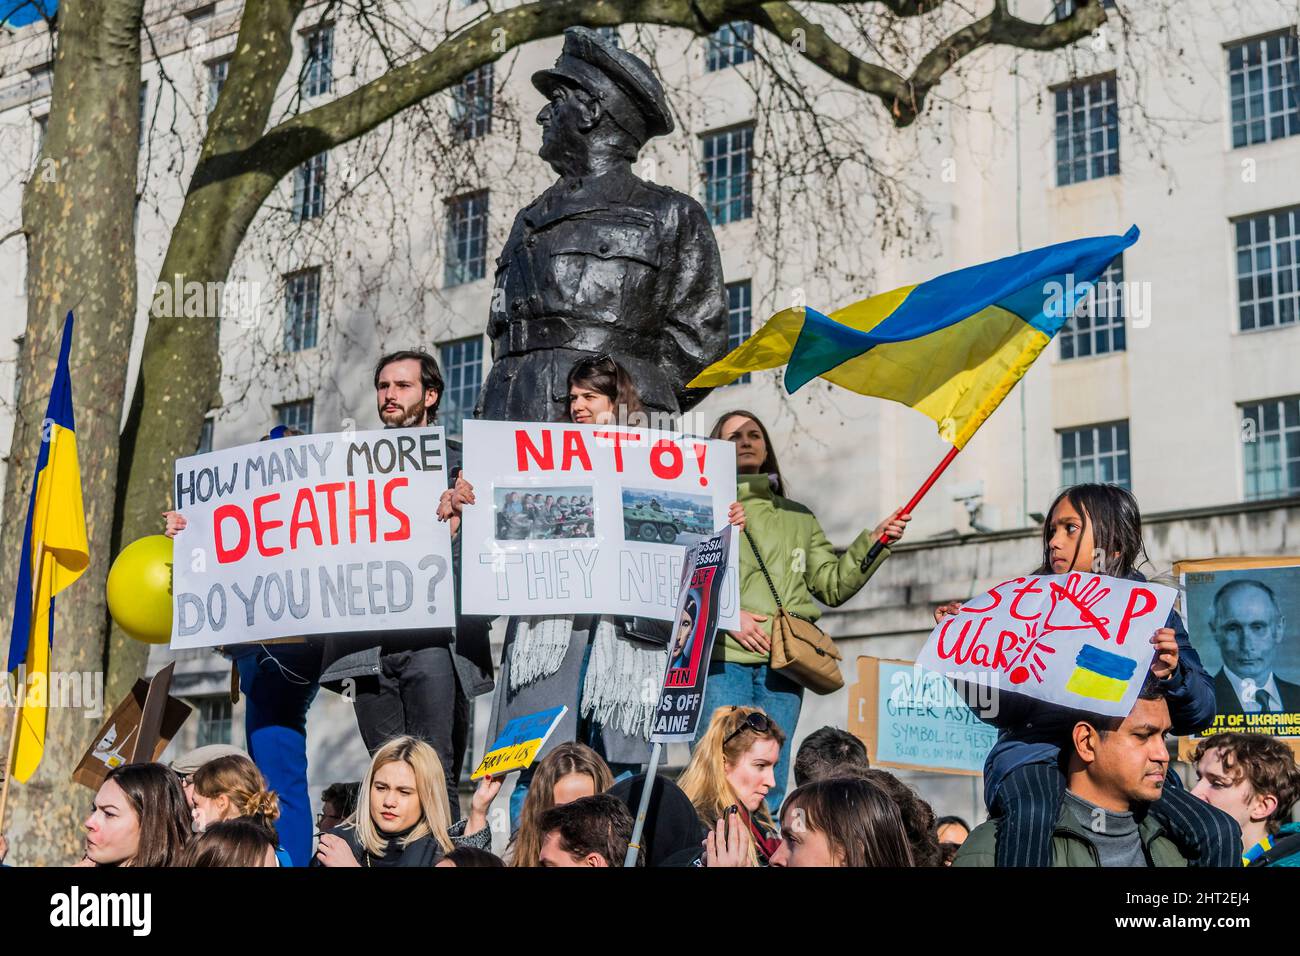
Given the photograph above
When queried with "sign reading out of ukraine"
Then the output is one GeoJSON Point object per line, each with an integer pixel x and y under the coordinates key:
{"type": "Point", "coordinates": [1079, 640]}
{"type": "Point", "coordinates": [517, 745]}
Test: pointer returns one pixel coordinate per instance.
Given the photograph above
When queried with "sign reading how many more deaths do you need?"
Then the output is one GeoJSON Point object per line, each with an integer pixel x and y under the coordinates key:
{"type": "Point", "coordinates": [314, 534]}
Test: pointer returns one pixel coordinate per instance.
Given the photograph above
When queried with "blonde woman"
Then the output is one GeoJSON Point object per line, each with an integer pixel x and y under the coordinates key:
{"type": "Point", "coordinates": [232, 787]}
{"type": "Point", "coordinates": [569, 772]}
{"type": "Point", "coordinates": [402, 816]}
{"type": "Point", "coordinates": [728, 779]}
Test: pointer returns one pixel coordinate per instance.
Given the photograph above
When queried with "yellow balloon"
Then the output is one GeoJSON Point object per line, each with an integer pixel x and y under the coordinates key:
{"type": "Point", "coordinates": [140, 589]}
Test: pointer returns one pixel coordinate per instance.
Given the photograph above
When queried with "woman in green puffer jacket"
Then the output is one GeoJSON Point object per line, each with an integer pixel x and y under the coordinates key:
{"type": "Point", "coordinates": [803, 566]}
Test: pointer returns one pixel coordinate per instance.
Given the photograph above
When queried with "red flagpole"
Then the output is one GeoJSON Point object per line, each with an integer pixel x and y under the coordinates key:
{"type": "Point", "coordinates": [911, 505]}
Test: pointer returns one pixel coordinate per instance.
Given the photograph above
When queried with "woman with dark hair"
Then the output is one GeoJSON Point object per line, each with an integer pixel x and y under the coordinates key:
{"type": "Point", "coordinates": [139, 818]}
{"type": "Point", "coordinates": [598, 665]}
{"type": "Point", "coordinates": [785, 543]}
{"type": "Point", "coordinates": [842, 821]}
{"type": "Point", "coordinates": [601, 392]}
{"type": "Point", "coordinates": [241, 842]}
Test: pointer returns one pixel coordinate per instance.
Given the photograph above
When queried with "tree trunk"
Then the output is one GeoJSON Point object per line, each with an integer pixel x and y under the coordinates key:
{"type": "Point", "coordinates": [78, 213]}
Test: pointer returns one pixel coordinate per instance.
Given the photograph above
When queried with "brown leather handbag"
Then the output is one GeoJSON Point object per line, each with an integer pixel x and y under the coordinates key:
{"type": "Point", "coordinates": [801, 650]}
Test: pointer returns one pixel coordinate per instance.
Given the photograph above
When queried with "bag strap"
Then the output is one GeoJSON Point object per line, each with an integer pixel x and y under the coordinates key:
{"type": "Point", "coordinates": [763, 567]}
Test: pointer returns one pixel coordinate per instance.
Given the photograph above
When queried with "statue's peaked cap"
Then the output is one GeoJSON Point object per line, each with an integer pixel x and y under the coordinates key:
{"type": "Point", "coordinates": [599, 67]}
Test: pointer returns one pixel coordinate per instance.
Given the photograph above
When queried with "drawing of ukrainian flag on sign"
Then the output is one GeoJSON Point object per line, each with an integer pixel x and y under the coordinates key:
{"type": "Point", "coordinates": [517, 745]}
{"type": "Point", "coordinates": [1100, 675]}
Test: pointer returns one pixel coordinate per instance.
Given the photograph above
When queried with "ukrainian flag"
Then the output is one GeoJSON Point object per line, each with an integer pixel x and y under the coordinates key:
{"type": "Point", "coordinates": [55, 553]}
{"type": "Point", "coordinates": [951, 347]}
{"type": "Point", "coordinates": [1099, 674]}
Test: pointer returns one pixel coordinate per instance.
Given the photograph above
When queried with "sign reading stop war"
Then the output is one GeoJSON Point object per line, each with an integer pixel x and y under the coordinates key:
{"type": "Point", "coordinates": [590, 519]}
{"type": "Point", "coordinates": [312, 535]}
{"type": "Point", "coordinates": [1080, 640]}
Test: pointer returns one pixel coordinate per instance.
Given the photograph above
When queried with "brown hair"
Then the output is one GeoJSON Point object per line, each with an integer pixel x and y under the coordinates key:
{"type": "Point", "coordinates": [602, 374]}
{"type": "Point", "coordinates": [1267, 763]}
{"type": "Point", "coordinates": [861, 821]}
{"type": "Point", "coordinates": [598, 824]}
{"type": "Point", "coordinates": [155, 795]}
{"type": "Point", "coordinates": [917, 816]}
{"type": "Point", "coordinates": [238, 778]}
{"type": "Point", "coordinates": [567, 758]}
{"type": "Point", "coordinates": [430, 374]}
{"type": "Point", "coordinates": [770, 465]}
{"type": "Point", "coordinates": [704, 780]}
{"type": "Point", "coordinates": [239, 842]}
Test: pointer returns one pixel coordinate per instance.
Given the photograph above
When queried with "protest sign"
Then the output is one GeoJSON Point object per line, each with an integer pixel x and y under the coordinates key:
{"type": "Point", "coordinates": [913, 719]}
{"type": "Point", "coordinates": [517, 746]}
{"type": "Point", "coordinates": [314, 534]}
{"type": "Point", "coordinates": [590, 519]}
{"type": "Point", "coordinates": [682, 697]}
{"type": "Point", "coordinates": [1079, 640]}
{"type": "Point", "coordinates": [1241, 616]}
{"type": "Point", "coordinates": [120, 741]}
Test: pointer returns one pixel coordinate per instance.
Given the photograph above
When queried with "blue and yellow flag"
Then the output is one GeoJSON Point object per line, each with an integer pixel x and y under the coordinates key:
{"type": "Point", "coordinates": [55, 553]}
{"type": "Point", "coordinates": [951, 347]}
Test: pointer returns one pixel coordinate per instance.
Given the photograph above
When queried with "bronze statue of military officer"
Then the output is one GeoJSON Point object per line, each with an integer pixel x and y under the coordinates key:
{"type": "Point", "coordinates": [602, 261]}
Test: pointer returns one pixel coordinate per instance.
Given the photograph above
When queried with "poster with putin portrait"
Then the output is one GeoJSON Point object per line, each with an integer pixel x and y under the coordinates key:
{"type": "Point", "coordinates": [1243, 619]}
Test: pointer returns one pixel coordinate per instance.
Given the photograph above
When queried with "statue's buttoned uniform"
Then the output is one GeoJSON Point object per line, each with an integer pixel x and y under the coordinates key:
{"type": "Point", "coordinates": [606, 264]}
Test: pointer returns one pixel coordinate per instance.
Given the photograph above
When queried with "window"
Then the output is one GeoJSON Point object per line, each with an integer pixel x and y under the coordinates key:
{"type": "Point", "coordinates": [1095, 453]}
{"type": "Point", "coordinates": [1271, 444]}
{"type": "Point", "coordinates": [214, 720]}
{"type": "Point", "coordinates": [739, 317]}
{"type": "Point", "coordinates": [1268, 269]}
{"type": "Point", "coordinates": [466, 238]}
{"type": "Point", "coordinates": [205, 438]}
{"type": "Point", "coordinates": [302, 299]}
{"type": "Point", "coordinates": [1087, 131]}
{"type": "Point", "coordinates": [1066, 8]}
{"type": "Point", "coordinates": [730, 45]}
{"type": "Point", "coordinates": [309, 188]}
{"type": "Point", "coordinates": [462, 368]}
{"type": "Point", "coordinates": [318, 65]}
{"type": "Point", "coordinates": [609, 35]}
{"type": "Point", "coordinates": [144, 106]}
{"type": "Point", "coordinates": [1264, 89]}
{"type": "Point", "coordinates": [471, 105]}
{"type": "Point", "coordinates": [728, 175]}
{"type": "Point", "coordinates": [297, 415]}
{"type": "Point", "coordinates": [217, 72]}
{"type": "Point", "coordinates": [1097, 326]}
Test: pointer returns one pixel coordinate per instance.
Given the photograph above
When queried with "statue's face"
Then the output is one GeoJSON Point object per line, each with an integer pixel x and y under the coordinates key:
{"type": "Point", "coordinates": [565, 121]}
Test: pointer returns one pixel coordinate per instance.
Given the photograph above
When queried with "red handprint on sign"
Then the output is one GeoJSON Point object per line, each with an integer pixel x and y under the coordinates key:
{"type": "Point", "coordinates": [1024, 658]}
{"type": "Point", "coordinates": [1075, 602]}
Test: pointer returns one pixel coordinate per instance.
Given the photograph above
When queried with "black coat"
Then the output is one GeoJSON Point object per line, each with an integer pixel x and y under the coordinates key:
{"type": "Point", "coordinates": [1227, 702]}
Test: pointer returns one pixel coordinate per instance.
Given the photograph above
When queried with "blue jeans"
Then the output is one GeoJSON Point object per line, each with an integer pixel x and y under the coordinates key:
{"type": "Point", "coordinates": [756, 685]}
{"type": "Point", "coordinates": [278, 682]}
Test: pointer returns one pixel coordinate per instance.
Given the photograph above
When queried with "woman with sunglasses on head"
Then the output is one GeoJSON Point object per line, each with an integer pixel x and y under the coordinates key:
{"type": "Point", "coordinates": [728, 780]}
{"type": "Point", "coordinates": [785, 543]}
{"type": "Point", "coordinates": [596, 664]}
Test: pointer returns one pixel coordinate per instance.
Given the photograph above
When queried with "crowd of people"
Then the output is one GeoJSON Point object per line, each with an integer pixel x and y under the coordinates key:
{"type": "Point", "coordinates": [534, 516]}
{"type": "Point", "coordinates": [1062, 788]}
{"type": "Point", "coordinates": [211, 807]}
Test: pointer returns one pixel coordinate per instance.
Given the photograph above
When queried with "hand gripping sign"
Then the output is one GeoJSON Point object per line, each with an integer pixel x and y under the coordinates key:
{"type": "Point", "coordinates": [1080, 640]}
{"type": "Point", "coordinates": [590, 519]}
{"type": "Point", "coordinates": [312, 535]}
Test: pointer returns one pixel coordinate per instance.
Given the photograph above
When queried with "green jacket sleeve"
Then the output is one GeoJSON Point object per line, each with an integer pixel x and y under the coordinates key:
{"type": "Point", "coordinates": [834, 579]}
